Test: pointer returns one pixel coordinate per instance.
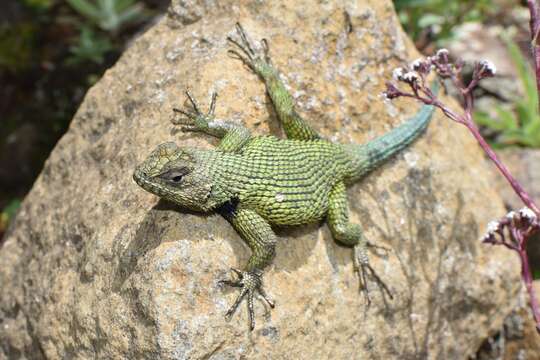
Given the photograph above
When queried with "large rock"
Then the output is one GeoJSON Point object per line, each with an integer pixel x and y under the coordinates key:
{"type": "Point", "coordinates": [518, 338]}
{"type": "Point", "coordinates": [524, 164]}
{"type": "Point", "coordinates": [95, 267]}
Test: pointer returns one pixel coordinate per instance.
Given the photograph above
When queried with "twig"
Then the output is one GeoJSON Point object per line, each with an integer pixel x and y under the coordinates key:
{"type": "Point", "coordinates": [534, 10]}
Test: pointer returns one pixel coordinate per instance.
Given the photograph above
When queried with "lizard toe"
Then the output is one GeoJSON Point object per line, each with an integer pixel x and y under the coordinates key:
{"type": "Point", "coordinates": [365, 271]}
{"type": "Point", "coordinates": [250, 283]}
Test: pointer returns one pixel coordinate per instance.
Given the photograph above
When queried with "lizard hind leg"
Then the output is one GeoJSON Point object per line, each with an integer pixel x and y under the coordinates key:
{"type": "Point", "coordinates": [245, 52]}
{"type": "Point", "coordinates": [350, 234]}
{"type": "Point", "coordinates": [364, 269]}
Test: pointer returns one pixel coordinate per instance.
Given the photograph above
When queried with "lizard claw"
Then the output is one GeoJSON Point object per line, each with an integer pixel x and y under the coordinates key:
{"type": "Point", "coordinates": [364, 269]}
{"type": "Point", "coordinates": [194, 119]}
{"type": "Point", "coordinates": [250, 283]}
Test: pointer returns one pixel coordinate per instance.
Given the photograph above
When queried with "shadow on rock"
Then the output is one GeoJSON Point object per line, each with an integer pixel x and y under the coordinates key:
{"type": "Point", "coordinates": [167, 222]}
{"type": "Point", "coordinates": [426, 254]}
{"type": "Point", "coordinates": [149, 235]}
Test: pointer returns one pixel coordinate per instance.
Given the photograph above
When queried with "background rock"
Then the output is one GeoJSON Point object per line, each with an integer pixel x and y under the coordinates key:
{"type": "Point", "coordinates": [518, 338]}
{"type": "Point", "coordinates": [524, 164]}
{"type": "Point", "coordinates": [93, 266]}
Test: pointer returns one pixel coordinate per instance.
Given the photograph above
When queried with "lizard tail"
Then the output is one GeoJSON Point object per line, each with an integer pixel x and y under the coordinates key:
{"type": "Point", "coordinates": [367, 157]}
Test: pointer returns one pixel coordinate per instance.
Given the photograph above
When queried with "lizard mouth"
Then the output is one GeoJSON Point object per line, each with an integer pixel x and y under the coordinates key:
{"type": "Point", "coordinates": [140, 176]}
{"type": "Point", "coordinates": [143, 180]}
{"type": "Point", "coordinates": [150, 183]}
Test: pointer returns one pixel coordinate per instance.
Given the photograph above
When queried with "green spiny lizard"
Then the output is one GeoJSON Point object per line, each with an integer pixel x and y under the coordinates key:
{"type": "Point", "coordinates": [259, 181]}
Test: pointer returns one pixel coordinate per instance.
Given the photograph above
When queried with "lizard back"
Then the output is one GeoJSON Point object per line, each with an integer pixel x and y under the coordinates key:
{"type": "Point", "coordinates": [285, 181]}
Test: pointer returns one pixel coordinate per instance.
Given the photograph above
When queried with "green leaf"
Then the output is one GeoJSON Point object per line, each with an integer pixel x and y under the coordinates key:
{"type": "Point", "coordinates": [525, 73]}
{"type": "Point", "coordinates": [121, 5]}
{"type": "Point", "coordinates": [430, 19]}
{"type": "Point", "coordinates": [90, 47]}
{"type": "Point", "coordinates": [506, 117]}
{"type": "Point", "coordinates": [532, 129]}
{"type": "Point", "coordinates": [86, 9]}
{"type": "Point", "coordinates": [524, 113]}
{"type": "Point", "coordinates": [483, 119]}
{"type": "Point", "coordinates": [411, 3]}
{"type": "Point", "coordinates": [11, 209]}
{"type": "Point", "coordinates": [132, 14]}
{"type": "Point", "coordinates": [109, 15]}
{"type": "Point", "coordinates": [513, 138]}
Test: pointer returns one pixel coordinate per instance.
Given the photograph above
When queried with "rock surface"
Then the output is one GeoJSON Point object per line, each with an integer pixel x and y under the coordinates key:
{"type": "Point", "coordinates": [518, 338]}
{"type": "Point", "coordinates": [524, 164]}
{"type": "Point", "coordinates": [94, 267]}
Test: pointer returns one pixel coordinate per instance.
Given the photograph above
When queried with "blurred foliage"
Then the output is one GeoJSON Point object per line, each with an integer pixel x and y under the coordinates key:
{"type": "Point", "coordinates": [39, 4]}
{"type": "Point", "coordinates": [51, 51]}
{"type": "Point", "coordinates": [101, 21]}
{"type": "Point", "coordinates": [109, 15]}
{"type": "Point", "coordinates": [16, 46]}
{"type": "Point", "coordinates": [7, 214]}
{"type": "Point", "coordinates": [91, 46]}
{"type": "Point", "coordinates": [521, 124]}
{"type": "Point", "coordinates": [436, 19]}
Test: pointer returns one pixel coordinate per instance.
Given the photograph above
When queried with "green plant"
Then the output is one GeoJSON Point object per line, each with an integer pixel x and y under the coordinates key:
{"type": "Point", "coordinates": [521, 124]}
{"type": "Point", "coordinates": [16, 46]}
{"type": "Point", "coordinates": [8, 213]}
{"type": "Point", "coordinates": [109, 15]}
{"type": "Point", "coordinates": [440, 16]}
{"type": "Point", "coordinates": [89, 47]}
{"type": "Point", "coordinates": [39, 5]}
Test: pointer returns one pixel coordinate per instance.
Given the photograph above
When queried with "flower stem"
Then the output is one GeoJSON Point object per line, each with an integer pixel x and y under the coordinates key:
{"type": "Point", "coordinates": [534, 10]}
{"type": "Point", "coordinates": [528, 280]}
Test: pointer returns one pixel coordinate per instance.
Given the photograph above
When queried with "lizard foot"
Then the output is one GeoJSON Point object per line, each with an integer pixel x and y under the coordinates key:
{"type": "Point", "coordinates": [195, 119]}
{"type": "Point", "coordinates": [364, 269]}
{"type": "Point", "coordinates": [258, 61]}
{"type": "Point", "coordinates": [251, 283]}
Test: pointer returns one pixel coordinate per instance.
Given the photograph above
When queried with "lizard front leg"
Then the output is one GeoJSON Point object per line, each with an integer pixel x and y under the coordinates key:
{"type": "Point", "coordinates": [233, 136]}
{"type": "Point", "coordinates": [350, 234]}
{"type": "Point", "coordinates": [262, 241]}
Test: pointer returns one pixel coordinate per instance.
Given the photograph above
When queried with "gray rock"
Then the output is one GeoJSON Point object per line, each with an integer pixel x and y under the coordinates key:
{"type": "Point", "coordinates": [524, 164]}
{"type": "Point", "coordinates": [95, 267]}
{"type": "Point", "coordinates": [518, 338]}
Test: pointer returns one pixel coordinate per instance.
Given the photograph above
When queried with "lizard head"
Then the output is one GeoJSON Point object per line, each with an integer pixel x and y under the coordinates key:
{"type": "Point", "coordinates": [178, 175]}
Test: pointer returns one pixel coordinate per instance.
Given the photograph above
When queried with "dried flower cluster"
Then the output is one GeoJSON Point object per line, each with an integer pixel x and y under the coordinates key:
{"type": "Point", "coordinates": [415, 74]}
{"type": "Point", "coordinates": [519, 225]}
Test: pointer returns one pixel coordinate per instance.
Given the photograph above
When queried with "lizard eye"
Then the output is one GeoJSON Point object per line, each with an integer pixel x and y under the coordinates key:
{"type": "Point", "coordinates": [174, 175]}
